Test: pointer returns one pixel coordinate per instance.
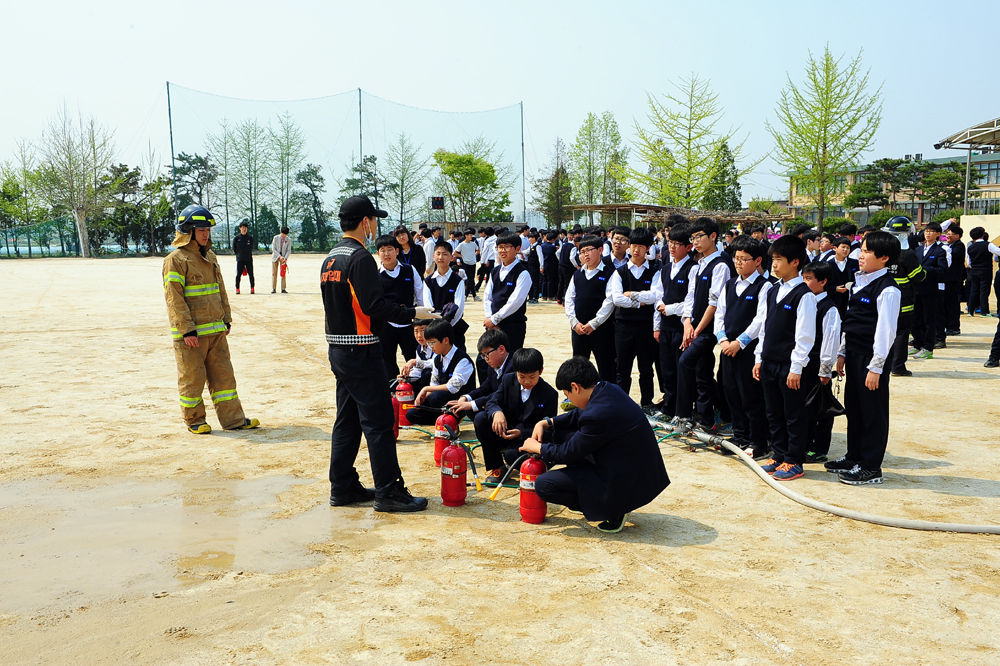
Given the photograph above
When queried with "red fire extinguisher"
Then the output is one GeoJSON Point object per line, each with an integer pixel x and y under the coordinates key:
{"type": "Point", "coordinates": [442, 425]}
{"type": "Point", "coordinates": [454, 476]}
{"type": "Point", "coordinates": [533, 508]}
{"type": "Point", "coordinates": [404, 400]}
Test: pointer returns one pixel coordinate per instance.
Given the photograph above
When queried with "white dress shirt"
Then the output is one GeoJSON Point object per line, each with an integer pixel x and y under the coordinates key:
{"type": "Point", "coordinates": [525, 394]}
{"type": "Point", "coordinates": [753, 329]}
{"type": "Point", "coordinates": [603, 312]}
{"type": "Point", "coordinates": [637, 298]}
{"type": "Point", "coordinates": [441, 280]}
{"type": "Point", "coordinates": [887, 305]}
{"type": "Point", "coordinates": [677, 308]}
{"type": "Point", "coordinates": [463, 371]}
{"type": "Point", "coordinates": [720, 276]}
{"type": "Point", "coordinates": [805, 325]}
{"type": "Point", "coordinates": [831, 339]}
{"type": "Point", "coordinates": [418, 286]}
{"type": "Point", "coordinates": [521, 289]}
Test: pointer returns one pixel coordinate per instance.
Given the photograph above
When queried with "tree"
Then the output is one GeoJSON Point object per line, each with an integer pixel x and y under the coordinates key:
{"type": "Point", "coordinates": [680, 148]}
{"type": "Point", "coordinates": [194, 174]}
{"type": "Point", "coordinates": [288, 148]}
{"type": "Point", "coordinates": [221, 150]}
{"type": "Point", "coordinates": [315, 184]}
{"type": "Point", "coordinates": [945, 184]}
{"type": "Point", "coordinates": [77, 153]}
{"type": "Point", "coordinates": [723, 191]}
{"type": "Point", "coordinates": [554, 190]}
{"type": "Point", "coordinates": [888, 172]}
{"type": "Point", "coordinates": [251, 169]}
{"type": "Point", "coordinates": [126, 214]}
{"type": "Point", "coordinates": [406, 173]}
{"type": "Point", "coordinates": [866, 191]}
{"type": "Point", "coordinates": [598, 161]}
{"type": "Point", "coordinates": [364, 182]}
{"type": "Point", "coordinates": [470, 184]}
{"type": "Point", "coordinates": [267, 225]}
{"type": "Point", "coordinates": [825, 125]}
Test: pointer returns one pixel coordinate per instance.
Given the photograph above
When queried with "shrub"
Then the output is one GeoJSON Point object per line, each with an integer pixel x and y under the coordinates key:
{"type": "Point", "coordinates": [879, 218]}
{"type": "Point", "coordinates": [948, 214]}
{"type": "Point", "coordinates": [832, 224]}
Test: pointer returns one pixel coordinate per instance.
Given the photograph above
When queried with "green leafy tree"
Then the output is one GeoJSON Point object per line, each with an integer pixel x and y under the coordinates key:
{"type": "Point", "coordinates": [866, 191]}
{"type": "Point", "coordinates": [887, 170]}
{"type": "Point", "coordinates": [268, 225]}
{"type": "Point", "coordinates": [723, 191]}
{"type": "Point", "coordinates": [251, 147]}
{"type": "Point", "coordinates": [195, 174]}
{"type": "Point", "coordinates": [475, 188]}
{"type": "Point", "coordinates": [945, 184]}
{"type": "Point", "coordinates": [598, 161]}
{"type": "Point", "coordinates": [312, 200]}
{"type": "Point", "coordinates": [554, 190]}
{"type": "Point", "coordinates": [126, 216]}
{"type": "Point", "coordinates": [825, 124]}
{"type": "Point", "coordinates": [307, 234]}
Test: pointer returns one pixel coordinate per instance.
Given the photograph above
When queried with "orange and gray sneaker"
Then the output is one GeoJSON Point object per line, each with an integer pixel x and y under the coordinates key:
{"type": "Point", "coordinates": [787, 472]}
{"type": "Point", "coordinates": [770, 466]}
{"type": "Point", "coordinates": [493, 480]}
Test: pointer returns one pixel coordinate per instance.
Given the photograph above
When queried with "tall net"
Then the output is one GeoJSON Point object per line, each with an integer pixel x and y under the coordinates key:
{"type": "Point", "coordinates": [290, 163]}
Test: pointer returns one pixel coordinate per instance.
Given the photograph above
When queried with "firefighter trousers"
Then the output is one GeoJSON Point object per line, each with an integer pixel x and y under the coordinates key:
{"type": "Point", "coordinates": [208, 363]}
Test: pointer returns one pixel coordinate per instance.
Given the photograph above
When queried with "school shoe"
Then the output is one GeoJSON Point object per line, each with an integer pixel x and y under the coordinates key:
{"type": "Point", "coordinates": [200, 428]}
{"type": "Point", "coordinates": [840, 465]}
{"type": "Point", "coordinates": [476, 298]}
{"type": "Point", "coordinates": [399, 500]}
{"type": "Point", "coordinates": [724, 429]}
{"type": "Point", "coordinates": [940, 344]}
{"type": "Point", "coordinates": [247, 425]}
{"type": "Point", "coordinates": [757, 455]}
{"type": "Point", "coordinates": [813, 457]}
{"type": "Point", "coordinates": [614, 525]}
{"type": "Point", "coordinates": [283, 291]}
{"type": "Point", "coordinates": [355, 495]}
{"type": "Point", "coordinates": [787, 472]}
{"type": "Point", "coordinates": [861, 477]}
{"type": "Point", "coordinates": [771, 466]}
{"type": "Point", "coordinates": [915, 351]}
{"type": "Point", "coordinates": [953, 331]}
{"type": "Point", "coordinates": [902, 373]}
{"type": "Point", "coordinates": [925, 354]}
{"type": "Point", "coordinates": [991, 364]}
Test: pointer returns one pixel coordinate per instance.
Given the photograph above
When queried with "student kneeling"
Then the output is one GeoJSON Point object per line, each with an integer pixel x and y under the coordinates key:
{"type": "Point", "coordinates": [613, 465]}
{"type": "Point", "coordinates": [522, 400]}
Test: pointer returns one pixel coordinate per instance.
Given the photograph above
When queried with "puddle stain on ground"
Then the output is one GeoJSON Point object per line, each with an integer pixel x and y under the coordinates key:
{"type": "Point", "coordinates": [61, 542]}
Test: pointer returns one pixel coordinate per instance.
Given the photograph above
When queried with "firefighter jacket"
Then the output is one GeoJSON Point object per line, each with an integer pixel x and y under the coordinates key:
{"type": "Point", "coordinates": [907, 272]}
{"type": "Point", "coordinates": [195, 293]}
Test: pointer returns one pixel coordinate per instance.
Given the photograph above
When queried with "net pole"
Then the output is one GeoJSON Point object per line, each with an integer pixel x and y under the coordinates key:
{"type": "Point", "coordinates": [173, 170]}
{"type": "Point", "coordinates": [361, 134]}
{"type": "Point", "coordinates": [524, 200]}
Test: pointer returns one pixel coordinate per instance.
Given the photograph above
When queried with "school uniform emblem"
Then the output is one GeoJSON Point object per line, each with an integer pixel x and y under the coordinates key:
{"type": "Point", "coordinates": [787, 306]}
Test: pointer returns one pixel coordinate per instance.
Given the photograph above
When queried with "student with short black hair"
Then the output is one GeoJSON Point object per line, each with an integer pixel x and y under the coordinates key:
{"type": "Point", "coordinates": [549, 266]}
{"type": "Point", "coordinates": [451, 373]}
{"type": "Point", "coordinates": [522, 400]}
{"type": "Point", "coordinates": [813, 242]}
{"type": "Point", "coordinates": [980, 271]}
{"type": "Point", "coordinates": [618, 254]}
{"type": "Point", "coordinates": [668, 327]}
{"type": "Point", "coordinates": [932, 259]}
{"type": "Point", "coordinates": [445, 285]}
{"type": "Point", "coordinates": [868, 332]}
{"type": "Point", "coordinates": [612, 462]}
{"type": "Point", "coordinates": [954, 278]}
{"type": "Point", "coordinates": [492, 348]}
{"type": "Point", "coordinates": [419, 376]}
{"type": "Point", "coordinates": [787, 333]}
{"type": "Point", "coordinates": [844, 269]}
{"type": "Point", "coordinates": [569, 261]}
{"type": "Point", "coordinates": [401, 285]}
{"type": "Point", "coordinates": [534, 267]}
{"type": "Point", "coordinates": [467, 253]}
{"type": "Point", "coordinates": [589, 307]}
{"type": "Point", "coordinates": [826, 247]}
{"type": "Point", "coordinates": [822, 356]}
{"type": "Point", "coordinates": [504, 300]}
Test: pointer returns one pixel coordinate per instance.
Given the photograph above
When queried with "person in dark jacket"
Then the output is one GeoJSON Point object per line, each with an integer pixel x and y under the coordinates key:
{"type": "Point", "coordinates": [931, 257]}
{"type": "Point", "coordinates": [980, 272]}
{"type": "Point", "coordinates": [908, 273]}
{"type": "Point", "coordinates": [243, 247]}
{"type": "Point", "coordinates": [613, 464]}
{"type": "Point", "coordinates": [492, 348]}
{"type": "Point", "coordinates": [954, 279]}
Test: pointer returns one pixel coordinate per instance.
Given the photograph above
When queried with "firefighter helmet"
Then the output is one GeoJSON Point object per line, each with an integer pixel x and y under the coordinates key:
{"type": "Point", "coordinates": [900, 224]}
{"type": "Point", "coordinates": [194, 217]}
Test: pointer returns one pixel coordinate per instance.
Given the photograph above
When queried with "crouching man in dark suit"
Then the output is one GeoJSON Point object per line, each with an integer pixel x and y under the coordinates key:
{"type": "Point", "coordinates": [613, 465]}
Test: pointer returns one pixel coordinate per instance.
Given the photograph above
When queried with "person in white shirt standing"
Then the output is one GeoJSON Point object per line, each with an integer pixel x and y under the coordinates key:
{"type": "Point", "coordinates": [281, 250]}
{"type": "Point", "coordinates": [589, 308]}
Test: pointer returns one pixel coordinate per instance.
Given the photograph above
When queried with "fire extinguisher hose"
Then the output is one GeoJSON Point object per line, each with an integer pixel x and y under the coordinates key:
{"type": "Point", "coordinates": [510, 470]}
{"type": "Point", "coordinates": [472, 465]}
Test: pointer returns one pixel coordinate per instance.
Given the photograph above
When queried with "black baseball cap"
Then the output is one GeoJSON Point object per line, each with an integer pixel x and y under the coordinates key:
{"type": "Point", "coordinates": [358, 207]}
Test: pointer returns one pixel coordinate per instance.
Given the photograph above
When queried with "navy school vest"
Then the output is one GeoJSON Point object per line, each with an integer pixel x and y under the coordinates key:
{"type": "Point", "coordinates": [504, 289]}
{"type": "Point", "coordinates": [674, 291]}
{"type": "Point", "coordinates": [741, 309]}
{"type": "Point", "coordinates": [399, 289]}
{"type": "Point", "coordinates": [779, 327]}
{"type": "Point", "coordinates": [702, 287]}
{"type": "Point", "coordinates": [644, 282]}
{"type": "Point", "coordinates": [590, 294]}
{"type": "Point", "coordinates": [862, 315]}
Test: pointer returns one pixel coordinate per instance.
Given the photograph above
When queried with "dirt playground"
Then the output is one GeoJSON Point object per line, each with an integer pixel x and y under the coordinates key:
{"type": "Point", "coordinates": [126, 540]}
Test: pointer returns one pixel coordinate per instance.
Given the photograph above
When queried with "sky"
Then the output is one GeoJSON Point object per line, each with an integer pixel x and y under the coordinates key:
{"type": "Point", "coordinates": [561, 59]}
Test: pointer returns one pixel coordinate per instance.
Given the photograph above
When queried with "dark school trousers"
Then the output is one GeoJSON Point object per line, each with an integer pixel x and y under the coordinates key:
{"type": "Point", "coordinates": [558, 487]}
{"type": "Point", "coordinates": [484, 274]}
{"type": "Point", "coordinates": [602, 344]}
{"type": "Point", "coordinates": [995, 347]}
{"type": "Point", "coordinates": [696, 380]}
{"type": "Point", "coordinates": [820, 434]}
{"type": "Point", "coordinates": [470, 278]}
{"type": "Point", "coordinates": [925, 320]}
{"type": "Point", "coordinates": [565, 275]}
{"type": "Point", "coordinates": [363, 405]}
{"type": "Point", "coordinates": [899, 345]}
{"type": "Point", "coordinates": [426, 417]}
{"type": "Point", "coordinates": [240, 265]}
{"type": "Point", "coordinates": [393, 337]}
{"type": "Point", "coordinates": [496, 450]}
{"type": "Point", "coordinates": [786, 412]}
{"type": "Point", "coordinates": [746, 402]}
{"type": "Point", "coordinates": [550, 280]}
{"type": "Point", "coordinates": [952, 307]}
{"type": "Point", "coordinates": [979, 292]}
{"type": "Point", "coordinates": [670, 351]}
{"type": "Point", "coordinates": [867, 413]}
{"type": "Point", "coordinates": [634, 341]}
{"type": "Point", "coordinates": [515, 327]}
{"type": "Point", "coordinates": [536, 283]}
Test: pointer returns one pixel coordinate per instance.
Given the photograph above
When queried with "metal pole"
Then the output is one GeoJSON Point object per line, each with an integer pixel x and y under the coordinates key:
{"type": "Point", "coordinates": [173, 170]}
{"type": "Point", "coordinates": [968, 168]}
{"type": "Point", "coordinates": [361, 136]}
{"type": "Point", "coordinates": [524, 200]}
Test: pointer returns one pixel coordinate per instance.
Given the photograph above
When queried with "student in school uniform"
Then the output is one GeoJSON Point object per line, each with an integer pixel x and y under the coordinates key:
{"type": "Point", "coordinates": [932, 259]}
{"type": "Point", "coordinates": [569, 261]}
{"type": "Point", "coordinates": [696, 365]}
{"type": "Point", "coordinates": [954, 278]}
{"type": "Point", "coordinates": [868, 332]}
{"type": "Point", "coordinates": [534, 267]}
{"type": "Point", "coordinates": [737, 328]}
{"type": "Point", "coordinates": [589, 307]}
{"type": "Point", "coordinates": [402, 285]}
{"type": "Point", "coordinates": [670, 292]}
{"type": "Point", "coordinates": [980, 271]}
{"type": "Point", "coordinates": [451, 374]}
{"type": "Point", "coordinates": [420, 376]}
{"type": "Point", "coordinates": [466, 253]}
{"type": "Point", "coordinates": [522, 400]}
{"type": "Point", "coordinates": [507, 292]}
{"type": "Point", "coordinates": [612, 462]}
{"type": "Point", "coordinates": [787, 334]}
{"type": "Point", "coordinates": [823, 355]}
{"type": "Point", "coordinates": [633, 296]}
{"type": "Point", "coordinates": [844, 269]}
{"type": "Point", "coordinates": [492, 348]}
{"type": "Point", "coordinates": [826, 246]}
{"type": "Point", "coordinates": [813, 241]}
{"type": "Point", "coordinates": [445, 285]}
{"type": "Point", "coordinates": [487, 255]}
{"type": "Point", "coordinates": [618, 256]}
{"type": "Point", "coordinates": [549, 266]}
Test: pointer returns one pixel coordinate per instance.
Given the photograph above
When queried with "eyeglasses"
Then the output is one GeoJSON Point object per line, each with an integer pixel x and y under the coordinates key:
{"type": "Point", "coordinates": [620, 240]}
{"type": "Point", "coordinates": [486, 354]}
{"type": "Point", "coordinates": [675, 244]}
{"type": "Point", "coordinates": [695, 237]}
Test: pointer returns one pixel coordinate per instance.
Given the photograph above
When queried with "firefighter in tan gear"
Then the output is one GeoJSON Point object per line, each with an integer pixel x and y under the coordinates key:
{"type": "Point", "coordinates": [199, 323]}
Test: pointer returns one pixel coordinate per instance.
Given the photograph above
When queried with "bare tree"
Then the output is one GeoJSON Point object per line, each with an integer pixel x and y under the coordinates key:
{"type": "Point", "coordinates": [288, 149]}
{"type": "Point", "coordinates": [77, 153]}
{"type": "Point", "coordinates": [406, 178]}
{"type": "Point", "coordinates": [221, 150]}
{"type": "Point", "coordinates": [251, 157]}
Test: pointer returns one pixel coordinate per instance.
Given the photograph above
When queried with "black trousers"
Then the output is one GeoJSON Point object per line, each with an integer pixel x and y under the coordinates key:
{"type": "Point", "coordinates": [419, 416]}
{"type": "Point", "coordinates": [696, 380]}
{"type": "Point", "coordinates": [820, 433]}
{"type": "Point", "coordinates": [952, 307]}
{"type": "Point", "coordinates": [979, 292]}
{"type": "Point", "coordinates": [602, 344]}
{"type": "Point", "coordinates": [393, 337]}
{"type": "Point", "coordinates": [995, 348]}
{"type": "Point", "coordinates": [900, 345]}
{"type": "Point", "coordinates": [925, 320]}
{"type": "Point", "coordinates": [565, 275]}
{"type": "Point", "coordinates": [670, 351]}
{"type": "Point", "coordinates": [634, 342]}
{"type": "Point", "coordinates": [746, 401]}
{"type": "Point", "coordinates": [550, 279]}
{"type": "Point", "coordinates": [558, 487]}
{"type": "Point", "coordinates": [470, 278]}
{"type": "Point", "coordinates": [786, 412]}
{"type": "Point", "coordinates": [240, 265]}
{"type": "Point", "coordinates": [867, 413]}
{"type": "Point", "coordinates": [496, 450]}
{"type": "Point", "coordinates": [484, 273]}
{"type": "Point", "coordinates": [515, 327]}
{"type": "Point", "coordinates": [536, 283]}
{"type": "Point", "coordinates": [363, 406]}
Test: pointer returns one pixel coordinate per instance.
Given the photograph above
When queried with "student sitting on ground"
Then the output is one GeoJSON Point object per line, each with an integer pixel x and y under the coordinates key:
{"type": "Point", "coordinates": [451, 374]}
{"type": "Point", "coordinates": [420, 376]}
{"type": "Point", "coordinates": [492, 349]}
{"type": "Point", "coordinates": [522, 400]}
{"type": "Point", "coordinates": [823, 355]}
{"type": "Point", "coordinates": [613, 464]}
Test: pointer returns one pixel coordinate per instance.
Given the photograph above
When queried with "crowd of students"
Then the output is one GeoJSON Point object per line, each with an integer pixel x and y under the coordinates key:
{"type": "Point", "coordinates": [788, 317]}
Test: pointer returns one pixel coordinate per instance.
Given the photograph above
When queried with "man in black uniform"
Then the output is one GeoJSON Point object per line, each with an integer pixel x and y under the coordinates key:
{"type": "Point", "coordinates": [356, 310]}
{"type": "Point", "coordinates": [907, 272]}
{"type": "Point", "coordinates": [243, 248]}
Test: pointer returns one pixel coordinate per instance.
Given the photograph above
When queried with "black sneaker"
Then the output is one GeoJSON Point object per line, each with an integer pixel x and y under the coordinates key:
{"type": "Point", "coordinates": [613, 525]}
{"type": "Point", "coordinates": [840, 465]}
{"type": "Point", "coordinates": [861, 477]}
{"type": "Point", "coordinates": [902, 373]}
{"type": "Point", "coordinates": [355, 495]}
{"type": "Point", "coordinates": [953, 331]}
{"type": "Point", "coordinates": [399, 499]}
{"type": "Point", "coordinates": [940, 344]}
{"type": "Point", "coordinates": [991, 364]}
{"type": "Point", "coordinates": [813, 457]}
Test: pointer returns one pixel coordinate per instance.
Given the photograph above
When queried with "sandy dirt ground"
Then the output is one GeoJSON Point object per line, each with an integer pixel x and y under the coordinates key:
{"type": "Point", "coordinates": [124, 539]}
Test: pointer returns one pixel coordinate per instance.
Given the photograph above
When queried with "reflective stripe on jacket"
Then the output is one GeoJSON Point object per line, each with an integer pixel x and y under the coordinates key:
{"type": "Point", "coordinates": [195, 292]}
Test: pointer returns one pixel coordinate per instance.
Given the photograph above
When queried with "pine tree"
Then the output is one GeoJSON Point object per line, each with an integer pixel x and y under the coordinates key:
{"type": "Point", "coordinates": [723, 191]}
